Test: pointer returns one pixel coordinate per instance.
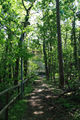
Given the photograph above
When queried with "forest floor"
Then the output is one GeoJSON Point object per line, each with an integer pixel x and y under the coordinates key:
{"type": "Point", "coordinates": [42, 105]}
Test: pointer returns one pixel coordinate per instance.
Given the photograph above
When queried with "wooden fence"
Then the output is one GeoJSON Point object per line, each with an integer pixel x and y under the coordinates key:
{"type": "Point", "coordinates": [7, 92]}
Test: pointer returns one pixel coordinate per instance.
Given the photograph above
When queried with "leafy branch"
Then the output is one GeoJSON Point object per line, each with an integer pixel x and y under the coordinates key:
{"type": "Point", "coordinates": [27, 10]}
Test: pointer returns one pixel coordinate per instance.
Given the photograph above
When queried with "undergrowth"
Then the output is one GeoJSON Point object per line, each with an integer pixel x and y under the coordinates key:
{"type": "Point", "coordinates": [17, 111]}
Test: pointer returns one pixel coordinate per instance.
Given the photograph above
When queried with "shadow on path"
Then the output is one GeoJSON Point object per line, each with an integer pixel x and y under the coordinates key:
{"type": "Point", "coordinates": [40, 105]}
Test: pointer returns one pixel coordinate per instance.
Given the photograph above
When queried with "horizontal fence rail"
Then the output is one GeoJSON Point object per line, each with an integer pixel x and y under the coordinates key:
{"type": "Point", "coordinates": [9, 104]}
{"type": "Point", "coordinates": [9, 89]}
{"type": "Point", "coordinates": [6, 92]}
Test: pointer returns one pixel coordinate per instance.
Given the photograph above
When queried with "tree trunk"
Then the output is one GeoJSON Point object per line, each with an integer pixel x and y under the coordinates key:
{"type": "Point", "coordinates": [10, 50]}
{"type": "Point", "coordinates": [45, 59]}
{"type": "Point", "coordinates": [79, 57]}
{"type": "Point", "coordinates": [16, 72]}
{"type": "Point", "coordinates": [61, 73]}
{"type": "Point", "coordinates": [75, 47]}
{"type": "Point", "coordinates": [25, 67]}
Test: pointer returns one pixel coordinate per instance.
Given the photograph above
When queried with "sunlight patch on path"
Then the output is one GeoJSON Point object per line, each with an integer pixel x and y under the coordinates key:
{"type": "Point", "coordinates": [38, 107]}
{"type": "Point", "coordinates": [41, 106]}
{"type": "Point", "coordinates": [38, 112]}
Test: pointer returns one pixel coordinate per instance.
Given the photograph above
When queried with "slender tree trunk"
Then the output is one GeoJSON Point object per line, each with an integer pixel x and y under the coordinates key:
{"type": "Point", "coordinates": [66, 62]}
{"type": "Point", "coordinates": [10, 74]}
{"type": "Point", "coordinates": [51, 63]}
{"type": "Point", "coordinates": [75, 47]}
{"type": "Point", "coordinates": [10, 50]}
{"type": "Point", "coordinates": [16, 74]}
{"type": "Point", "coordinates": [79, 56]}
{"type": "Point", "coordinates": [49, 60]}
{"type": "Point", "coordinates": [45, 59]}
{"type": "Point", "coordinates": [25, 67]}
{"type": "Point", "coordinates": [5, 74]}
{"type": "Point", "coordinates": [61, 73]}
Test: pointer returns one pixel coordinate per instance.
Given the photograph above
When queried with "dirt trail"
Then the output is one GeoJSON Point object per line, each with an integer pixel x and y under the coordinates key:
{"type": "Point", "coordinates": [40, 105]}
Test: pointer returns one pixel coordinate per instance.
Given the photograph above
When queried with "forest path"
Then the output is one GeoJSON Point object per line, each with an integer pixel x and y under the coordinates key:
{"type": "Point", "coordinates": [41, 106]}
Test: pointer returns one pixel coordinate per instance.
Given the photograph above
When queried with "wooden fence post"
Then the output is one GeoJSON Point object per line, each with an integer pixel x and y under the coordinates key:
{"type": "Point", "coordinates": [6, 112]}
{"type": "Point", "coordinates": [18, 92]}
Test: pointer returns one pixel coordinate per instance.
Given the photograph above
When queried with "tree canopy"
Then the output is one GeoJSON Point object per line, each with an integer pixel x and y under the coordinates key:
{"type": "Point", "coordinates": [40, 37]}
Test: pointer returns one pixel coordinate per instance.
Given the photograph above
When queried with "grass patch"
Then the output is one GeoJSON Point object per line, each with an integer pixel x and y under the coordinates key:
{"type": "Point", "coordinates": [71, 106]}
{"type": "Point", "coordinates": [18, 109]}
{"type": "Point", "coordinates": [17, 112]}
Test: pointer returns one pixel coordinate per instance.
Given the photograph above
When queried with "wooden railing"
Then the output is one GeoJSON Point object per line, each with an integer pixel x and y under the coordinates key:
{"type": "Point", "coordinates": [8, 95]}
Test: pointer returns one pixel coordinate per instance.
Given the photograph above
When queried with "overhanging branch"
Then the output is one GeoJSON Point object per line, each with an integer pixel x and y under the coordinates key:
{"type": "Point", "coordinates": [27, 10]}
{"type": "Point", "coordinates": [24, 5]}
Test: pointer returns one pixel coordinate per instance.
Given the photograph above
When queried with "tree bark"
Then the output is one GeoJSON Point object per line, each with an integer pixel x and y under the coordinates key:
{"type": "Point", "coordinates": [45, 59]}
{"type": "Point", "coordinates": [79, 56]}
{"type": "Point", "coordinates": [75, 47]}
{"type": "Point", "coordinates": [25, 67]}
{"type": "Point", "coordinates": [60, 57]}
{"type": "Point", "coordinates": [16, 71]}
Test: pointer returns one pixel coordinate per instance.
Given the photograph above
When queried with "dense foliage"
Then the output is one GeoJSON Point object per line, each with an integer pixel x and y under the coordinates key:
{"type": "Point", "coordinates": [37, 37]}
{"type": "Point", "coordinates": [28, 30]}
